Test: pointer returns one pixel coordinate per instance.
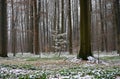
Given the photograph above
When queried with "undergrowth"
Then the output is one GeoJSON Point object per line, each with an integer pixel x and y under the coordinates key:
{"type": "Point", "coordinates": [30, 72]}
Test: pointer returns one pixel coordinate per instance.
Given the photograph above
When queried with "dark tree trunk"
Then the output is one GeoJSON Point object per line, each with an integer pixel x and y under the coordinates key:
{"type": "Point", "coordinates": [36, 29]}
{"type": "Point", "coordinates": [3, 28]}
{"type": "Point", "coordinates": [85, 38]}
{"type": "Point", "coordinates": [31, 27]}
{"type": "Point", "coordinates": [62, 16]}
{"type": "Point", "coordinates": [117, 14]}
{"type": "Point", "coordinates": [70, 28]}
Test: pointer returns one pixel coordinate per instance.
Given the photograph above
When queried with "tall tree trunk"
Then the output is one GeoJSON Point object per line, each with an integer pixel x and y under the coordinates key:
{"type": "Point", "coordinates": [62, 16]}
{"type": "Point", "coordinates": [13, 30]}
{"type": "Point", "coordinates": [3, 28]}
{"type": "Point", "coordinates": [85, 38]}
{"type": "Point", "coordinates": [70, 28]}
{"type": "Point", "coordinates": [36, 28]}
{"type": "Point", "coordinates": [102, 27]}
{"type": "Point", "coordinates": [117, 14]}
{"type": "Point", "coordinates": [31, 27]}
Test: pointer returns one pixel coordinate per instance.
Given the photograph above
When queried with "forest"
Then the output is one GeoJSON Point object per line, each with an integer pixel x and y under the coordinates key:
{"type": "Point", "coordinates": [59, 39]}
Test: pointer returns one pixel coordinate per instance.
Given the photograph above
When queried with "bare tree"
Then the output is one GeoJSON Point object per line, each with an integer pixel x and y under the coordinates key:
{"type": "Point", "coordinates": [85, 38]}
{"type": "Point", "coordinates": [117, 16]}
{"type": "Point", "coordinates": [3, 28]}
{"type": "Point", "coordinates": [70, 28]}
{"type": "Point", "coordinates": [36, 28]}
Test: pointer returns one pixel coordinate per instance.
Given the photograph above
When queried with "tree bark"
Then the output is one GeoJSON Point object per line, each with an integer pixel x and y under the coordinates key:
{"type": "Point", "coordinates": [85, 38]}
{"type": "Point", "coordinates": [3, 28]}
{"type": "Point", "coordinates": [117, 15]}
{"type": "Point", "coordinates": [36, 29]}
{"type": "Point", "coordinates": [70, 28]}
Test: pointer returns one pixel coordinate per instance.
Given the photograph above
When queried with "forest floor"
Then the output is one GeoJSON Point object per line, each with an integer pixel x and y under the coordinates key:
{"type": "Point", "coordinates": [28, 66]}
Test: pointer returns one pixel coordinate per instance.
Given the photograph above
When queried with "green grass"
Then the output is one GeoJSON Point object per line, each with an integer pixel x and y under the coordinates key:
{"type": "Point", "coordinates": [112, 58]}
{"type": "Point", "coordinates": [44, 59]}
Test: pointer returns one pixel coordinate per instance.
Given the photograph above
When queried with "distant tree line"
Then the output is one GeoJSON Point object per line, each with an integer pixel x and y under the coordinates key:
{"type": "Point", "coordinates": [74, 26]}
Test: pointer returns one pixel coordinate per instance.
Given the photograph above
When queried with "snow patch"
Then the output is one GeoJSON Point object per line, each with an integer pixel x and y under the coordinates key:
{"type": "Point", "coordinates": [74, 60]}
{"type": "Point", "coordinates": [97, 61]}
